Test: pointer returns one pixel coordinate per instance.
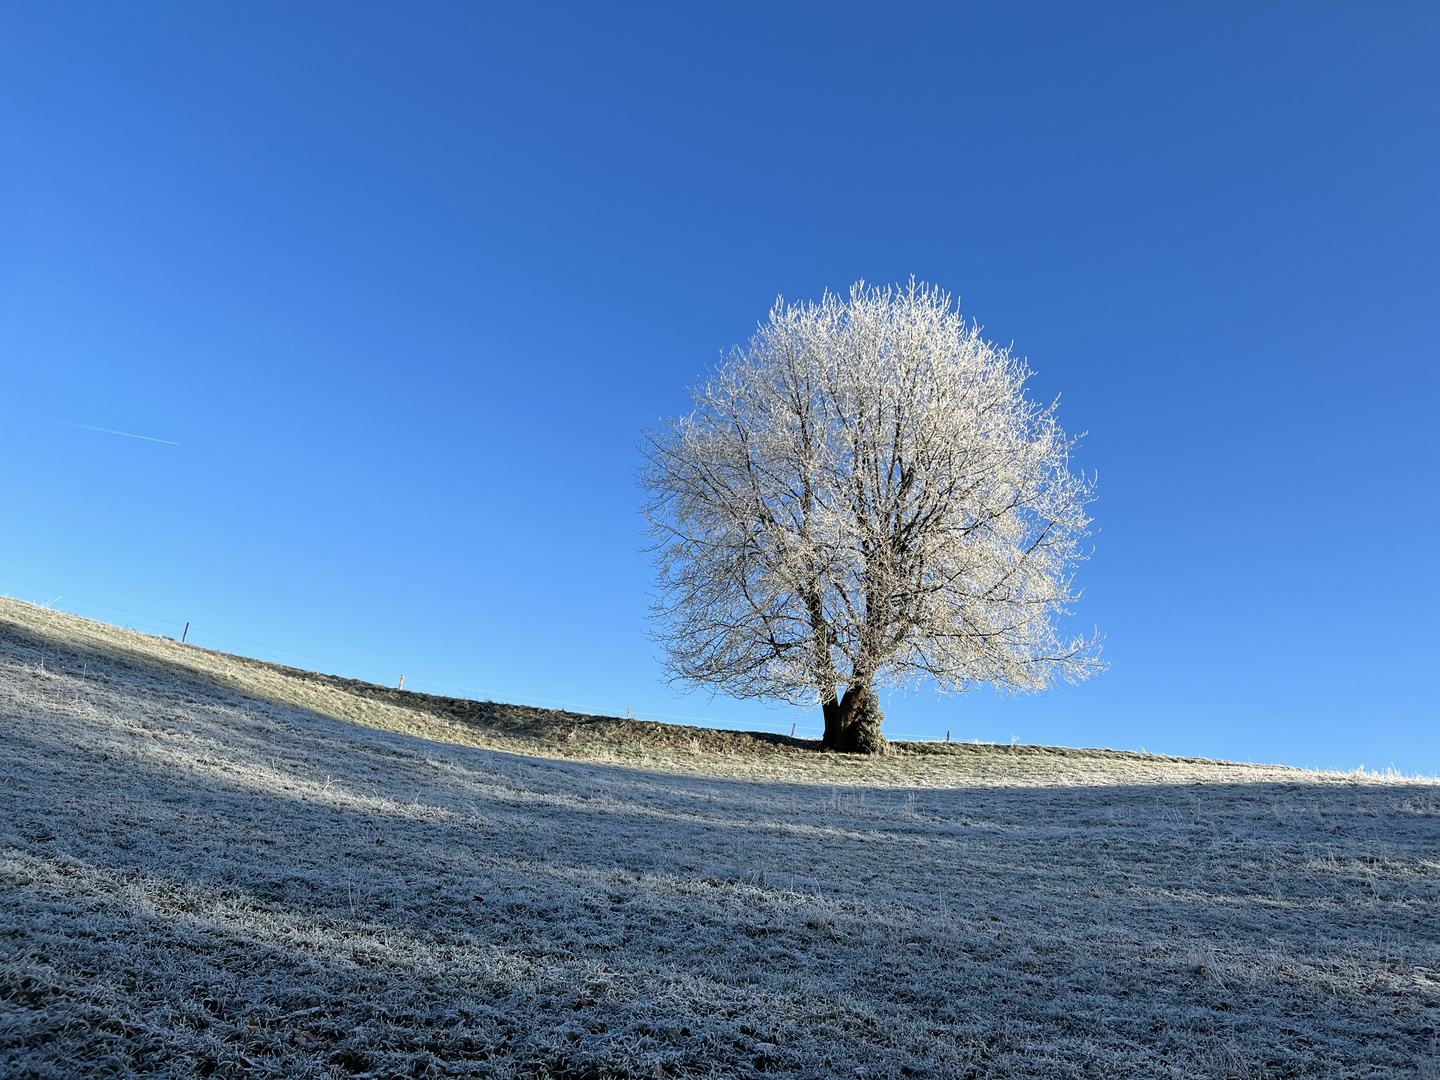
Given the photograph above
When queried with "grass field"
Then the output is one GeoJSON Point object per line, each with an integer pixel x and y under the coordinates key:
{"type": "Point", "coordinates": [219, 867]}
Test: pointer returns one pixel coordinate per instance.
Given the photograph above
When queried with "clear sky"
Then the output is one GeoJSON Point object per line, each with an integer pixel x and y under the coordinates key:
{"type": "Point", "coordinates": [399, 284]}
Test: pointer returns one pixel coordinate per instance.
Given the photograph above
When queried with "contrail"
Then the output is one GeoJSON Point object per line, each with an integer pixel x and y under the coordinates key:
{"type": "Point", "coordinates": [108, 431]}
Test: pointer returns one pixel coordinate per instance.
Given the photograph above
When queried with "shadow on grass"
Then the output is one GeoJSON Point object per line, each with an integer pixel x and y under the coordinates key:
{"type": "Point", "coordinates": [235, 880]}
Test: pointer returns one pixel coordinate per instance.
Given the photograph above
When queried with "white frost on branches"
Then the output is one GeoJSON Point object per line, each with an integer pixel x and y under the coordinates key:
{"type": "Point", "coordinates": [865, 494]}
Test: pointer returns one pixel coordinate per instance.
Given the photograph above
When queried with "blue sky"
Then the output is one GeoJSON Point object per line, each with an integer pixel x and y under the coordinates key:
{"type": "Point", "coordinates": [402, 283]}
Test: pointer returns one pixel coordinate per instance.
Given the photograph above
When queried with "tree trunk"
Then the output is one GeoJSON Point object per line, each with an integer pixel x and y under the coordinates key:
{"type": "Point", "coordinates": [852, 723]}
{"type": "Point", "coordinates": [830, 706]}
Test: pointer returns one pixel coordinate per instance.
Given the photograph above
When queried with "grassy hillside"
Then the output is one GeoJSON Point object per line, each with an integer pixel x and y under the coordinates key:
{"type": "Point", "coordinates": [215, 866]}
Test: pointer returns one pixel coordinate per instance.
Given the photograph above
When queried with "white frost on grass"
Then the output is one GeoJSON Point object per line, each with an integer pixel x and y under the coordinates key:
{"type": "Point", "coordinates": [201, 875]}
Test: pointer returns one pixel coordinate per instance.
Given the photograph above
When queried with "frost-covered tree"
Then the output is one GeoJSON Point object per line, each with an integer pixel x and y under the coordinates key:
{"type": "Point", "coordinates": [865, 495]}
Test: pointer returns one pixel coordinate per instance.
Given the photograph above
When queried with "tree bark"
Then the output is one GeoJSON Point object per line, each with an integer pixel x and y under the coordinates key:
{"type": "Point", "coordinates": [852, 723]}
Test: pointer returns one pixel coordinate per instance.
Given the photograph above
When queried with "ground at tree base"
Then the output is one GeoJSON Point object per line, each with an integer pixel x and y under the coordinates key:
{"type": "Point", "coordinates": [217, 867]}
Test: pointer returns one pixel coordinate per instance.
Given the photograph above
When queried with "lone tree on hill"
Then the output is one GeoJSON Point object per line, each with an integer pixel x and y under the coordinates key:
{"type": "Point", "coordinates": [865, 494]}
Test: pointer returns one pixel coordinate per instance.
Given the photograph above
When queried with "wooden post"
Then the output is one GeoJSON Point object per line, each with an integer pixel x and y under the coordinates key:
{"type": "Point", "coordinates": [186, 634]}
{"type": "Point", "coordinates": [792, 729]}
{"type": "Point", "coordinates": [402, 682]}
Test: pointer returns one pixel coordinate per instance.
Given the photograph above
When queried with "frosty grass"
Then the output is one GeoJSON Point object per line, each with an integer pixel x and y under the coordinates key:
{"type": "Point", "coordinates": [218, 867]}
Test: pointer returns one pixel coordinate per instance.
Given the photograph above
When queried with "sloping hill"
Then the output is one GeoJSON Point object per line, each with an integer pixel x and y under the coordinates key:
{"type": "Point", "coordinates": [214, 866]}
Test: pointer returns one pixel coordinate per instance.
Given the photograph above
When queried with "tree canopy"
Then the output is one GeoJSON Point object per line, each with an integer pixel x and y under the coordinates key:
{"type": "Point", "coordinates": [864, 495]}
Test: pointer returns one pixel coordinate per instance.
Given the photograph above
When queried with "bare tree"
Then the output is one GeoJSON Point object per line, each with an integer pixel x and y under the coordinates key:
{"type": "Point", "coordinates": [865, 495]}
